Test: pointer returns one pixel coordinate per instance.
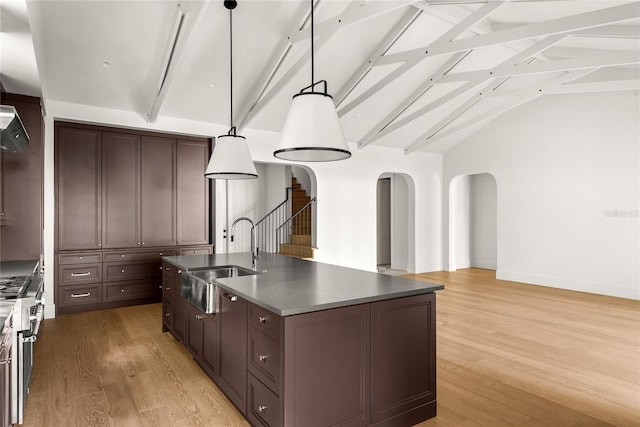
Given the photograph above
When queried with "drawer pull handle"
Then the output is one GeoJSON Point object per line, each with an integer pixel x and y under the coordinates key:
{"type": "Point", "coordinates": [159, 286]}
{"type": "Point", "coordinates": [230, 297]}
{"type": "Point", "coordinates": [80, 257]}
{"type": "Point", "coordinates": [167, 289]}
{"type": "Point", "coordinates": [122, 255]}
{"type": "Point", "coordinates": [167, 314]}
{"type": "Point", "coordinates": [199, 316]}
{"type": "Point", "coordinates": [86, 273]}
{"type": "Point", "coordinates": [122, 291]}
{"type": "Point", "coordinates": [262, 319]}
{"type": "Point", "coordinates": [263, 357]}
{"type": "Point", "coordinates": [167, 268]}
{"type": "Point", "coordinates": [160, 267]}
{"type": "Point", "coordinates": [160, 253]}
{"type": "Point", "coordinates": [262, 408]}
{"type": "Point", "coordinates": [86, 294]}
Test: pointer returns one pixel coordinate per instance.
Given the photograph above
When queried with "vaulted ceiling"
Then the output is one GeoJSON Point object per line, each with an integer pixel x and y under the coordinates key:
{"type": "Point", "coordinates": [416, 75]}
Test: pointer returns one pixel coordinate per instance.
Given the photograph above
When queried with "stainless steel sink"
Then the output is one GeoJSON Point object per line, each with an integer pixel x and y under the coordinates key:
{"type": "Point", "coordinates": [199, 286]}
{"type": "Point", "coordinates": [223, 272]}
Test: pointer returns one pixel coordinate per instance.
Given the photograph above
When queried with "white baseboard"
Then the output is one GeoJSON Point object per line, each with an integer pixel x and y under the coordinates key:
{"type": "Point", "coordinates": [609, 289]}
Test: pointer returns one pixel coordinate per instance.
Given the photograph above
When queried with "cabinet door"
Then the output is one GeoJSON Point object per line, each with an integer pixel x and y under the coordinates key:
{"type": "Point", "coordinates": [193, 193]}
{"type": "Point", "coordinates": [78, 188]}
{"type": "Point", "coordinates": [327, 368]}
{"type": "Point", "coordinates": [158, 191]}
{"type": "Point", "coordinates": [233, 349]}
{"type": "Point", "coordinates": [194, 331]}
{"type": "Point", "coordinates": [120, 190]}
{"type": "Point", "coordinates": [210, 337]}
{"type": "Point", "coordinates": [403, 355]}
{"type": "Point", "coordinates": [181, 310]}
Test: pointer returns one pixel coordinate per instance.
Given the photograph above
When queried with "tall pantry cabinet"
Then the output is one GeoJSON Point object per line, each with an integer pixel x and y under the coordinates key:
{"type": "Point", "coordinates": [125, 198]}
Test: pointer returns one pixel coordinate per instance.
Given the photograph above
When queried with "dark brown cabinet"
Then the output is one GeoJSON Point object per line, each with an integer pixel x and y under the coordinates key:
{"type": "Point", "coordinates": [403, 366]}
{"type": "Point", "coordinates": [158, 192]}
{"type": "Point", "coordinates": [21, 186]}
{"type": "Point", "coordinates": [193, 339]}
{"type": "Point", "coordinates": [232, 368]}
{"type": "Point", "coordinates": [210, 345]}
{"type": "Point", "coordinates": [79, 192]}
{"type": "Point", "coordinates": [193, 193]}
{"type": "Point", "coordinates": [120, 189]}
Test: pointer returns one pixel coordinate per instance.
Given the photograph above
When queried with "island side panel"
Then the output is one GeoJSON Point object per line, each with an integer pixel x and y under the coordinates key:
{"type": "Point", "coordinates": [403, 365]}
{"type": "Point", "coordinates": [327, 368]}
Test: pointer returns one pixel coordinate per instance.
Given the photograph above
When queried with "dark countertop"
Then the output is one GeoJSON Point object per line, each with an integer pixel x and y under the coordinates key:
{"type": "Point", "coordinates": [289, 286]}
{"type": "Point", "coordinates": [18, 268]}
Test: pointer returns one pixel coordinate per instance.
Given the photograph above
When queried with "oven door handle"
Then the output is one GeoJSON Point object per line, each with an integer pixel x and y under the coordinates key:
{"type": "Point", "coordinates": [32, 337]}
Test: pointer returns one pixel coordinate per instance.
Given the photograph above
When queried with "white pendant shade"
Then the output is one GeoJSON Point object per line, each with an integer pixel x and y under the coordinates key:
{"type": "Point", "coordinates": [231, 159]}
{"type": "Point", "coordinates": [312, 131]}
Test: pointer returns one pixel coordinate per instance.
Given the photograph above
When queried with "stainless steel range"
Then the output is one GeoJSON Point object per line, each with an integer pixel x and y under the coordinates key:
{"type": "Point", "coordinates": [27, 293]}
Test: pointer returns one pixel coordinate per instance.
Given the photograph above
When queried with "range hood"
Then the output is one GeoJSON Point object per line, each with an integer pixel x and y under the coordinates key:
{"type": "Point", "coordinates": [13, 136]}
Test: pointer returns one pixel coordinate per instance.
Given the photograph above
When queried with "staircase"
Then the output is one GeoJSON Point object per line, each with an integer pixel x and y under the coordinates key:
{"type": "Point", "coordinates": [299, 242]}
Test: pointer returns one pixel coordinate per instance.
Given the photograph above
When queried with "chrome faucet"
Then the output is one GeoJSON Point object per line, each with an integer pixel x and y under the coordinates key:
{"type": "Point", "coordinates": [254, 247]}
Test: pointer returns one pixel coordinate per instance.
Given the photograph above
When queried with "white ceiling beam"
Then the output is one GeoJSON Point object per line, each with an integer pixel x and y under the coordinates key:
{"type": "Point", "coordinates": [458, 29]}
{"type": "Point", "coordinates": [610, 31]}
{"type": "Point", "coordinates": [590, 87]}
{"type": "Point", "coordinates": [539, 67]}
{"type": "Point", "coordinates": [396, 32]}
{"type": "Point", "coordinates": [612, 15]}
{"type": "Point", "coordinates": [363, 11]}
{"type": "Point", "coordinates": [516, 59]}
{"type": "Point", "coordinates": [528, 95]}
{"type": "Point", "coordinates": [272, 67]}
{"type": "Point", "coordinates": [415, 95]}
{"type": "Point", "coordinates": [187, 15]}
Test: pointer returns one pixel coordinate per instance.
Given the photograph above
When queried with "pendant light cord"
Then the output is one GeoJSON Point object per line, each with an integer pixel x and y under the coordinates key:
{"type": "Point", "coordinates": [231, 68]}
{"type": "Point", "coordinates": [312, 61]}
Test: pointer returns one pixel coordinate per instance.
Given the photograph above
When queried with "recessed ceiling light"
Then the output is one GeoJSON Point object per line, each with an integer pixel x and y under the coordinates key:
{"type": "Point", "coordinates": [105, 63]}
{"type": "Point", "coordinates": [213, 84]}
{"type": "Point", "coordinates": [359, 114]}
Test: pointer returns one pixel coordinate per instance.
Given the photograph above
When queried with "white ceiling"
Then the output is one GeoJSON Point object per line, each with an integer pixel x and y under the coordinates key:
{"type": "Point", "coordinates": [484, 58]}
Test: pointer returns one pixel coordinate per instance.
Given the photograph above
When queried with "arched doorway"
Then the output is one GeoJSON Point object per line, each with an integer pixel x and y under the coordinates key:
{"type": "Point", "coordinates": [473, 222]}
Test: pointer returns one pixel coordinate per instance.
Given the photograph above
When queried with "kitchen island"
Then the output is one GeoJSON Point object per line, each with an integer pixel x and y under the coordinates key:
{"type": "Point", "coordinates": [310, 344]}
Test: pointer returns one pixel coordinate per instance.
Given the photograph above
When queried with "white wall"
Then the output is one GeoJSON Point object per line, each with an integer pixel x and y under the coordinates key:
{"type": "Point", "coordinates": [568, 185]}
{"type": "Point", "coordinates": [400, 223]}
{"type": "Point", "coordinates": [483, 214]}
{"type": "Point", "coordinates": [346, 190]}
{"type": "Point", "coordinates": [462, 228]}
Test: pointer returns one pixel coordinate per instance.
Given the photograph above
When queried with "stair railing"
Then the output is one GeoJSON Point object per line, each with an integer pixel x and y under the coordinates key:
{"type": "Point", "coordinates": [267, 225]}
{"type": "Point", "coordinates": [300, 223]}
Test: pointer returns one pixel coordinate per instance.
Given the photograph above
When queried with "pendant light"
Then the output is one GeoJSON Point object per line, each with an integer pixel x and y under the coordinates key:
{"type": "Point", "coordinates": [312, 131]}
{"type": "Point", "coordinates": [231, 158]}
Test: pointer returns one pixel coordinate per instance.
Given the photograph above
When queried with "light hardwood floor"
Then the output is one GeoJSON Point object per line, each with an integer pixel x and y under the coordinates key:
{"type": "Point", "coordinates": [509, 354]}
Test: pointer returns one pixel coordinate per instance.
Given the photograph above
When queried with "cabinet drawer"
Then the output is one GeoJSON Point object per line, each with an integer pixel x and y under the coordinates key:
{"type": "Point", "coordinates": [79, 274]}
{"type": "Point", "coordinates": [80, 258]}
{"type": "Point", "coordinates": [79, 295]}
{"type": "Point", "coordinates": [124, 256]}
{"type": "Point", "coordinates": [119, 271]}
{"type": "Point", "coordinates": [128, 290]}
{"type": "Point", "coordinates": [264, 359]}
{"type": "Point", "coordinates": [263, 406]}
{"type": "Point", "coordinates": [265, 321]}
{"type": "Point", "coordinates": [207, 250]}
